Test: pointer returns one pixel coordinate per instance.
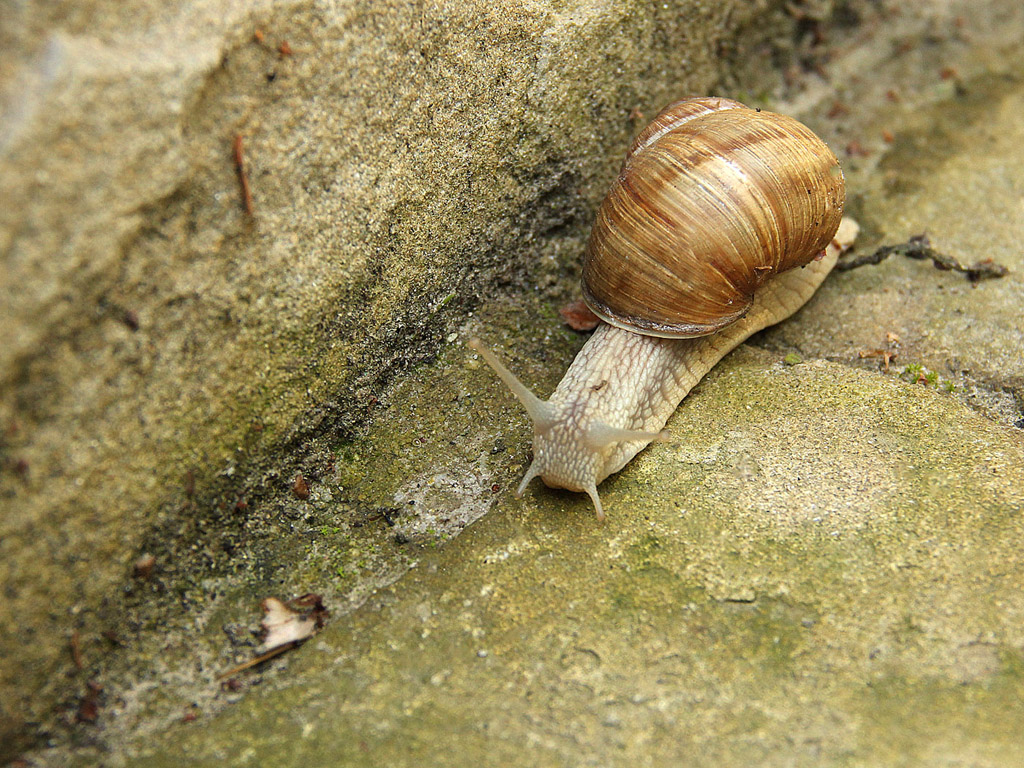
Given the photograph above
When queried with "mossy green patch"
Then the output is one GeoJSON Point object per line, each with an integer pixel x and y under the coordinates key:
{"type": "Point", "coordinates": [813, 530]}
{"type": "Point", "coordinates": [939, 718]}
{"type": "Point", "coordinates": [754, 618]}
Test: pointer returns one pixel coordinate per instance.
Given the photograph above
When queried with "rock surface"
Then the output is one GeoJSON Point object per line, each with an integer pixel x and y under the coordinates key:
{"type": "Point", "coordinates": [167, 357]}
{"type": "Point", "coordinates": [825, 573]}
{"type": "Point", "coordinates": [829, 549]}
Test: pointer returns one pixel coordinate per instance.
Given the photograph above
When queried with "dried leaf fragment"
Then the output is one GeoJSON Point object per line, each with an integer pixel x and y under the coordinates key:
{"type": "Point", "coordinates": [287, 624]}
{"type": "Point", "coordinates": [301, 487]}
{"type": "Point", "coordinates": [577, 315]}
{"type": "Point", "coordinates": [284, 625]}
{"type": "Point", "coordinates": [89, 704]}
{"type": "Point", "coordinates": [76, 650]}
{"type": "Point", "coordinates": [887, 355]}
{"type": "Point", "coordinates": [243, 174]}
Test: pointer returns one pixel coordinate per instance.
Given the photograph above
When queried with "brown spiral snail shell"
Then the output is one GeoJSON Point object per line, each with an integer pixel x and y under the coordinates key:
{"type": "Point", "coordinates": [699, 244]}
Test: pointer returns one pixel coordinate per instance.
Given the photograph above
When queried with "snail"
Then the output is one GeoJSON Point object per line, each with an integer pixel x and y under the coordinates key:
{"type": "Point", "coordinates": [723, 220]}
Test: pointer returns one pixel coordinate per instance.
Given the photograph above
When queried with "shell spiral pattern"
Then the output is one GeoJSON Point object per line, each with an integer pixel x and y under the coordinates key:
{"type": "Point", "coordinates": [712, 200]}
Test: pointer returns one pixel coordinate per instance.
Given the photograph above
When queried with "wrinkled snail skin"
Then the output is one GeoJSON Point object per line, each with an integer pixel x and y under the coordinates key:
{"type": "Point", "coordinates": [723, 220]}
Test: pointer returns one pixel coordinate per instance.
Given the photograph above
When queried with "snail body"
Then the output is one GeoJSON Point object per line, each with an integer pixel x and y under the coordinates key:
{"type": "Point", "coordinates": [723, 220]}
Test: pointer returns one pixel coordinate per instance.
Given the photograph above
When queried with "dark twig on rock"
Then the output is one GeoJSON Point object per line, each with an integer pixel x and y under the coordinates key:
{"type": "Point", "coordinates": [918, 247]}
{"type": "Point", "coordinates": [243, 175]}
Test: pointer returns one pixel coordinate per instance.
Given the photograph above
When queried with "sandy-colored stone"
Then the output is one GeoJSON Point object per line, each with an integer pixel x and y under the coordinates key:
{"type": "Point", "coordinates": [823, 570]}
{"type": "Point", "coordinates": [950, 173]}
{"type": "Point", "coordinates": [164, 356]}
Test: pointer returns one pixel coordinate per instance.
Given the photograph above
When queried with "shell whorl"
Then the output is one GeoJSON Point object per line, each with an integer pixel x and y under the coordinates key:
{"type": "Point", "coordinates": [712, 199]}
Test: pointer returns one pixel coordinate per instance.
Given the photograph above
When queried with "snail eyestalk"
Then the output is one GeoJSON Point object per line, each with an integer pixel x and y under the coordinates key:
{"type": "Point", "coordinates": [540, 412]}
{"type": "Point", "coordinates": [600, 435]}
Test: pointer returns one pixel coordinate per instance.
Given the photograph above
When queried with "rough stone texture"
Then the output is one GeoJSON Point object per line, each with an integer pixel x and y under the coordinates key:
{"type": "Point", "coordinates": [823, 571]}
{"type": "Point", "coordinates": [949, 171]}
{"type": "Point", "coordinates": [163, 355]}
{"type": "Point", "coordinates": [826, 572]}
{"type": "Point", "coordinates": [828, 551]}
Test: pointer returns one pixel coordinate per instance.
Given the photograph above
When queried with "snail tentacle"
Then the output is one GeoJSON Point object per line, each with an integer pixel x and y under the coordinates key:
{"type": "Point", "coordinates": [540, 412]}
